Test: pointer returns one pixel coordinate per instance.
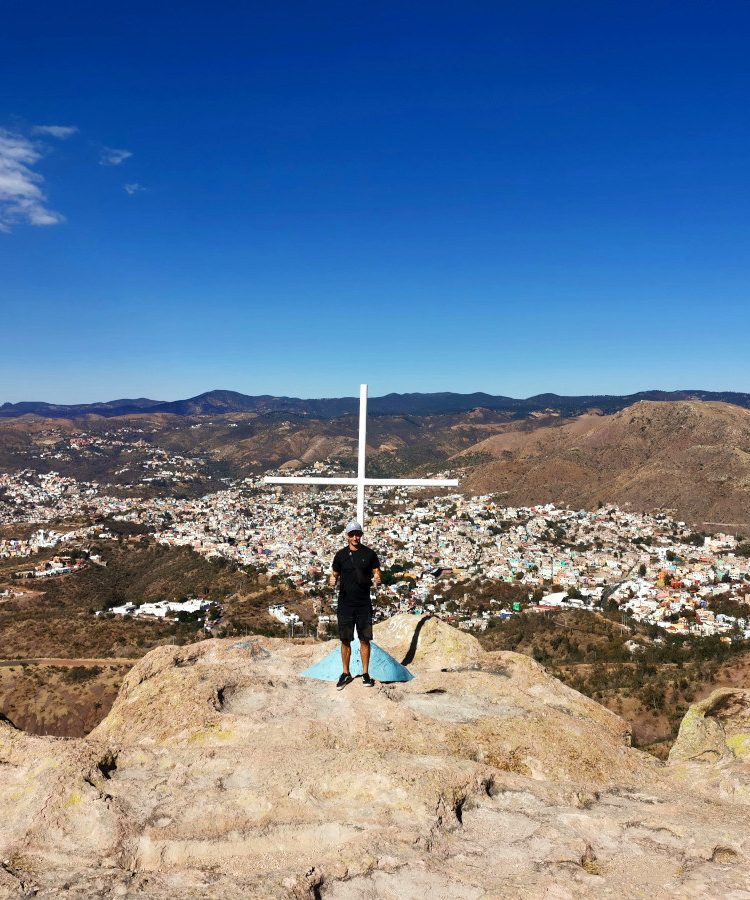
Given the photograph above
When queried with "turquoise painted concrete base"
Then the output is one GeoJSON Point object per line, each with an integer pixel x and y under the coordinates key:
{"type": "Point", "coordinates": [383, 667]}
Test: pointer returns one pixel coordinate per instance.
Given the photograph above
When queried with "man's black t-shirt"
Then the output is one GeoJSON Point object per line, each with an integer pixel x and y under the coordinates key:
{"type": "Point", "coordinates": [355, 573]}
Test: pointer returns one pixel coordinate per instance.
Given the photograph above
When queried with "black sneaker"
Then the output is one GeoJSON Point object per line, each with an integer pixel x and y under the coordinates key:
{"type": "Point", "coordinates": [367, 680]}
{"type": "Point", "coordinates": [344, 679]}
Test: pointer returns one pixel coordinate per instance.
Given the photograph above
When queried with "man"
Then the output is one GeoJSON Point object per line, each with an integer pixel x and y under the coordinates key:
{"type": "Point", "coordinates": [358, 568]}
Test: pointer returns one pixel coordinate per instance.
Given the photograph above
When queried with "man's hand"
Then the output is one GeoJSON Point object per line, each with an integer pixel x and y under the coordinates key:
{"type": "Point", "coordinates": [376, 578]}
{"type": "Point", "coordinates": [332, 579]}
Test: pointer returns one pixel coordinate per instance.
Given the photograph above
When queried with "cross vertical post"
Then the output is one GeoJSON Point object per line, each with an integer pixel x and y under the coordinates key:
{"type": "Point", "coordinates": [360, 481]}
{"type": "Point", "coordinates": [361, 453]}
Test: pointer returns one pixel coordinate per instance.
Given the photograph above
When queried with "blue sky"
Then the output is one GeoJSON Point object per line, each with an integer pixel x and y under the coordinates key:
{"type": "Point", "coordinates": [291, 198]}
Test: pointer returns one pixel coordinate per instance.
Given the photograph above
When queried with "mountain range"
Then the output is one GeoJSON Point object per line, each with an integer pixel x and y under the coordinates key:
{"type": "Point", "coordinates": [217, 402]}
{"type": "Point", "coordinates": [688, 456]}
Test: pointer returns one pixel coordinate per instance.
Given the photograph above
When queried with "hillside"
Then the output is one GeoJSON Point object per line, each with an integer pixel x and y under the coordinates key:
{"type": "Point", "coordinates": [235, 444]}
{"type": "Point", "coordinates": [689, 457]}
{"type": "Point", "coordinates": [650, 688]}
{"type": "Point", "coordinates": [61, 666]}
{"type": "Point", "coordinates": [220, 772]}
{"type": "Point", "coordinates": [59, 621]}
{"type": "Point", "coordinates": [218, 402]}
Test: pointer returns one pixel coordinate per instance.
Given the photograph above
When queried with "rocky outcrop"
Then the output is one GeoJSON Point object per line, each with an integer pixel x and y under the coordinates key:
{"type": "Point", "coordinates": [717, 728]}
{"type": "Point", "coordinates": [219, 772]}
{"type": "Point", "coordinates": [428, 644]}
{"type": "Point", "coordinates": [711, 755]}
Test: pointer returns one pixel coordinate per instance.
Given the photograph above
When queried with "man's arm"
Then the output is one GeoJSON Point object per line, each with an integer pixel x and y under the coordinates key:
{"type": "Point", "coordinates": [335, 571]}
{"type": "Point", "coordinates": [377, 575]}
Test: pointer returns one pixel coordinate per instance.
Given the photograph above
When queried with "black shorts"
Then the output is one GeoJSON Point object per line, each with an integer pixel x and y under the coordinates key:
{"type": "Point", "coordinates": [348, 616]}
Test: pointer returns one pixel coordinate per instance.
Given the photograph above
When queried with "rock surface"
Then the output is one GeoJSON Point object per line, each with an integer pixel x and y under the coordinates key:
{"type": "Point", "coordinates": [717, 728]}
{"type": "Point", "coordinates": [220, 773]}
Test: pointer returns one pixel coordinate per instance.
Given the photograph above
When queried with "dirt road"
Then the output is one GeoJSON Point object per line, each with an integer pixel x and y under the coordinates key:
{"type": "Point", "coordinates": [86, 661]}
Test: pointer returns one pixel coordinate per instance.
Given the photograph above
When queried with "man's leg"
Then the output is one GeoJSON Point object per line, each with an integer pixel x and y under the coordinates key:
{"type": "Point", "coordinates": [364, 649]}
{"type": "Point", "coordinates": [364, 633]}
{"type": "Point", "coordinates": [345, 616]}
{"type": "Point", "coordinates": [346, 655]}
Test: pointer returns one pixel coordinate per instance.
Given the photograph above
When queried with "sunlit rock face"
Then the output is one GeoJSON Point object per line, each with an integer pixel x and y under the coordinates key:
{"type": "Point", "coordinates": [717, 728]}
{"type": "Point", "coordinates": [219, 772]}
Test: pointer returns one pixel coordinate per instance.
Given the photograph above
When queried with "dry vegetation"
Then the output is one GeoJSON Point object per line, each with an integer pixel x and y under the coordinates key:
{"type": "Point", "coordinates": [67, 701]}
{"type": "Point", "coordinates": [650, 688]}
{"type": "Point", "coordinates": [56, 622]}
{"type": "Point", "coordinates": [688, 456]}
{"type": "Point", "coordinates": [60, 622]}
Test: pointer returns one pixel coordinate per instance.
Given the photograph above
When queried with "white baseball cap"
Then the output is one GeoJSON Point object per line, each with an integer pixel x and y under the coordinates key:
{"type": "Point", "coordinates": [353, 526]}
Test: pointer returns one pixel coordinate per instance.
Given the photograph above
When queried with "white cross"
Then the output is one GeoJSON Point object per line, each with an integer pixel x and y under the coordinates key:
{"type": "Point", "coordinates": [360, 480]}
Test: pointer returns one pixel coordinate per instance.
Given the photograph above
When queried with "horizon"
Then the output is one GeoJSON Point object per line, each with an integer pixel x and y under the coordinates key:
{"type": "Point", "coordinates": [274, 196]}
{"type": "Point", "coordinates": [372, 396]}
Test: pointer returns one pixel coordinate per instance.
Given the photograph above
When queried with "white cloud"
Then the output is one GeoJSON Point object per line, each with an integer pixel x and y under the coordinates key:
{"type": "Point", "coordinates": [21, 196]}
{"type": "Point", "coordinates": [58, 131]}
{"type": "Point", "coordinates": [109, 156]}
{"type": "Point", "coordinates": [133, 188]}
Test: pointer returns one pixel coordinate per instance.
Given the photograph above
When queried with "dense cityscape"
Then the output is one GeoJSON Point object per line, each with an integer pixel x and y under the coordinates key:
{"type": "Point", "coordinates": [657, 570]}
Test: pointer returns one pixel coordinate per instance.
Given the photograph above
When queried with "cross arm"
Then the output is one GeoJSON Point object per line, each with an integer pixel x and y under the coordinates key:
{"type": "Point", "coordinates": [307, 479]}
{"type": "Point", "coordinates": [414, 482]}
{"type": "Point", "coordinates": [385, 482]}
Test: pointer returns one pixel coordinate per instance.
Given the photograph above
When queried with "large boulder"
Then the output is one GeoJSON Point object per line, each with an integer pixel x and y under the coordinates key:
{"type": "Point", "coordinates": [717, 728]}
{"type": "Point", "coordinates": [711, 755]}
{"type": "Point", "coordinates": [220, 772]}
{"type": "Point", "coordinates": [427, 643]}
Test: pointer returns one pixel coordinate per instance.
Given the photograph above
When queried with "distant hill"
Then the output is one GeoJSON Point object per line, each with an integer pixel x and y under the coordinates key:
{"type": "Point", "coordinates": [61, 411]}
{"type": "Point", "coordinates": [687, 456]}
{"type": "Point", "coordinates": [690, 456]}
{"type": "Point", "coordinates": [220, 402]}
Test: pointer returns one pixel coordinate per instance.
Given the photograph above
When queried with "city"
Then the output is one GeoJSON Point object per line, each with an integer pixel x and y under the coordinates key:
{"type": "Point", "coordinates": [655, 570]}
